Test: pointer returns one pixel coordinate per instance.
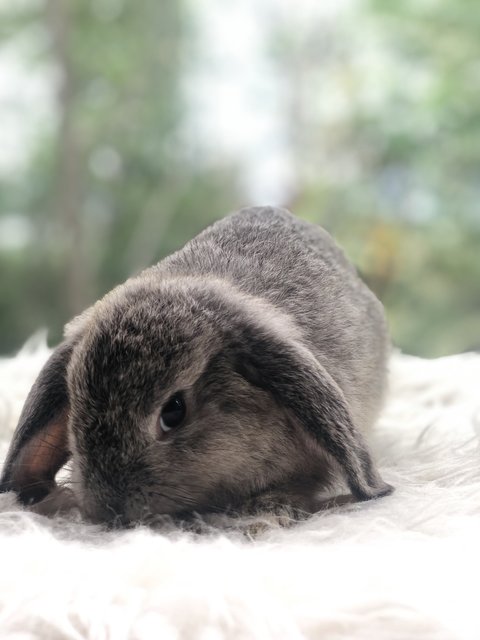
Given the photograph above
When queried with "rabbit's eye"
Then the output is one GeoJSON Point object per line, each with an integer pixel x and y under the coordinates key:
{"type": "Point", "coordinates": [173, 413]}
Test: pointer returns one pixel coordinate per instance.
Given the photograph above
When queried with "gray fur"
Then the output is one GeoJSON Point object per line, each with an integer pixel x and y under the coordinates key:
{"type": "Point", "coordinates": [280, 351]}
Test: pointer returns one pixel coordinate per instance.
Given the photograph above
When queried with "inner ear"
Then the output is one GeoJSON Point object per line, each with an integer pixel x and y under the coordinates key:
{"type": "Point", "coordinates": [38, 462]}
{"type": "Point", "coordinates": [39, 445]}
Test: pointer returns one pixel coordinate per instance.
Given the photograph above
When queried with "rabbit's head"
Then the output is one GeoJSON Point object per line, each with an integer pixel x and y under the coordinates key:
{"type": "Point", "coordinates": [179, 396]}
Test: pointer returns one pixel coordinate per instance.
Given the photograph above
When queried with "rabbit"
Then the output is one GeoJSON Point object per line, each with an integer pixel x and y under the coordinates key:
{"type": "Point", "coordinates": [244, 368]}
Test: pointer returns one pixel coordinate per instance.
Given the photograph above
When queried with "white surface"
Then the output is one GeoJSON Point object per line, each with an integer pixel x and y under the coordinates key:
{"type": "Point", "coordinates": [407, 566]}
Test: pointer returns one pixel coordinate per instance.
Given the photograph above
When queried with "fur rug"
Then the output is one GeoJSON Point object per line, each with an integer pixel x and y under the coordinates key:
{"type": "Point", "coordinates": [406, 566]}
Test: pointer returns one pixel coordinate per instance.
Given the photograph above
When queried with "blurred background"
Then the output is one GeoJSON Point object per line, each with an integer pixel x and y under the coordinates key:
{"type": "Point", "coordinates": [126, 127]}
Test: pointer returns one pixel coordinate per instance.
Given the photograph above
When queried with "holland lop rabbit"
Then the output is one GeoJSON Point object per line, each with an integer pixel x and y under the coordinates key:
{"type": "Point", "coordinates": [246, 365]}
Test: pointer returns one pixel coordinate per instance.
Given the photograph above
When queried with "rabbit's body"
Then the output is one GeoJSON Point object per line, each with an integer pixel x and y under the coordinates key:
{"type": "Point", "coordinates": [261, 344]}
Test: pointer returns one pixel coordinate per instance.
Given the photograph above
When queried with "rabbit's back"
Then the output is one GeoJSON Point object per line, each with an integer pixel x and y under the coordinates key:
{"type": "Point", "coordinates": [269, 253]}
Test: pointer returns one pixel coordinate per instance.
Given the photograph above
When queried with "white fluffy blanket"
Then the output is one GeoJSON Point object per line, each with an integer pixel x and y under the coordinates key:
{"type": "Point", "coordinates": [406, 566]}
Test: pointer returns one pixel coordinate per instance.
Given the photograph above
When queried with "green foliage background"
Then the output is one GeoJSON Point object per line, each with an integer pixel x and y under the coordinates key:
{"type": "Point", "coordinates": [391, 167]}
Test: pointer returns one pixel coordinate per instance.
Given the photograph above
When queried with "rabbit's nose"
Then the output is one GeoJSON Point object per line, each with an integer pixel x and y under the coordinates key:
{"type": "Point", "coordinates": [108, 512]}
{"type": "Point", "coordinates": [118, 512]}
{"type": "Point", "coordinates": [115, 518]}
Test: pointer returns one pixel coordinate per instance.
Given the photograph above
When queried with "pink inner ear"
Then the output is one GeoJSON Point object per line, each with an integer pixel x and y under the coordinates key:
{"type": "Point", "coordinates": [40, 459]}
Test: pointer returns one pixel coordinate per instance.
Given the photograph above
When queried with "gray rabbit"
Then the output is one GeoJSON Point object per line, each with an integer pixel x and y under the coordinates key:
{"type": "Point", "coordinates": [241, 368]}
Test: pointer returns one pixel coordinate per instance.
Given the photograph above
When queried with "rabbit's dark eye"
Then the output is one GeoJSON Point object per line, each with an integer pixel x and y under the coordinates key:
{"type": "Point", "coordinates": [173, 413]}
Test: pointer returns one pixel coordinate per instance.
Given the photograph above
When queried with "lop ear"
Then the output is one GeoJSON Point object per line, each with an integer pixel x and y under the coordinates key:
{"type": "Point", "coordinates": [296, 380]}
{"type": "Point", "coordinates": [40, 445]}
